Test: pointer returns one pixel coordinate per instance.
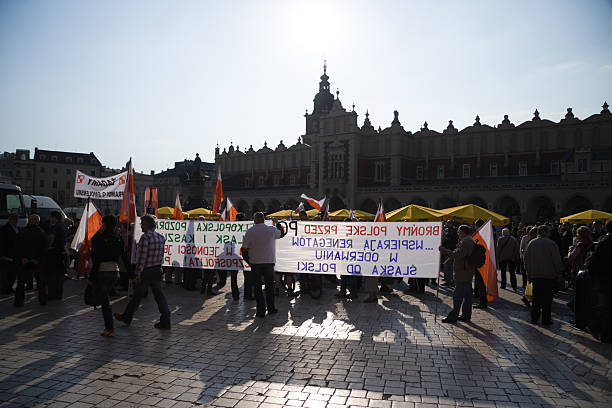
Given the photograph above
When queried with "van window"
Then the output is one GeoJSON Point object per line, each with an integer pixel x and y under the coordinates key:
{"type": "Point", "coordinates": [10, 202]}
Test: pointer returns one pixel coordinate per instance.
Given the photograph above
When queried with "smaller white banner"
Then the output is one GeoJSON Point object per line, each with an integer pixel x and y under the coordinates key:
{"type": "Point", "coordinates": [107, 188]}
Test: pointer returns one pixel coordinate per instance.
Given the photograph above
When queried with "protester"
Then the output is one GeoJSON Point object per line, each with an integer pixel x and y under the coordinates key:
{"type": "Point", "coordinates": [578, 254]}
{"type": "Point", "coordinates": [105, 254]}
{"type": "Point", "coordinates": [8, 237]}
{"type": "Point", "coordinates": [449, 241]}
{"type": "Point", "coordinates": [55, 266]}
{"type": "Point", "coordinates": [350, 282]}
{"type": "Point", "coordinates": [125, 262]}
{"type": "Point", "coordinates": [599, 266]}
{"type": "Point", "coordinates": [508, 255]}
{"type": "Point", "coordinates": [463, 272]}
{"type": "Point", "coordinates": [148, 273]}
{"type": "Point", "coordinates": [259, 250]}
{"type": "Point", "coordinates": [530, 233]}
{"type": "Point", "coordinates": [30, 247]}
{"type": "Point", "coordinates": [544, 268]}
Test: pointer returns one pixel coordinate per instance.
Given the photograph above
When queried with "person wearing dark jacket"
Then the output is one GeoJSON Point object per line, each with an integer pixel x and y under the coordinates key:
{"type": "Point", "coordinates": [463, 272]}
{"type": "Point", "coordinates": [8, 236]}
{"type": "Point", "coordinates": [106, 249]}
{"type": "Point", "coordinates": [30, 248]}
{"type": "Point", "coordinates": [599, 265]}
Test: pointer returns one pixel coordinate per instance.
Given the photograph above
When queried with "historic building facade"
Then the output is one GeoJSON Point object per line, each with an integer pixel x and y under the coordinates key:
{"type": "Point", "coordinates": [539, 169]}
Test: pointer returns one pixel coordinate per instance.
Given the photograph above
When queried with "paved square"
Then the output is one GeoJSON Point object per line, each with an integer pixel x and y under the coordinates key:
{"type": "Point", "coordinates": [313, 353]}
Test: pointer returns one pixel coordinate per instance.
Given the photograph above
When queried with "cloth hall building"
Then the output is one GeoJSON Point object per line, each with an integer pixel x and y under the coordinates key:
{"type": "Point", "coordinates": [539, 169]}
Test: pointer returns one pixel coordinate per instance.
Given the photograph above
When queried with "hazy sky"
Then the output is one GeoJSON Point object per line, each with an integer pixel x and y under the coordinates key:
{"type": "Point", "coordinates": [161, 80]}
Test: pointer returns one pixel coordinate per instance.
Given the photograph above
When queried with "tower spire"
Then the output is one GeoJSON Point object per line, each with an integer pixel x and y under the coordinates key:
{"type": "Point", "coordinates": [324, 67]}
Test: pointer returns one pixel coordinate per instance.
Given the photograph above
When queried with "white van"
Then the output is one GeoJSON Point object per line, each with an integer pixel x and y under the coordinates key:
{"type": "Point", "coordinates": [44, 206]}
{"type": "Point", "coordinates": [11, 201]}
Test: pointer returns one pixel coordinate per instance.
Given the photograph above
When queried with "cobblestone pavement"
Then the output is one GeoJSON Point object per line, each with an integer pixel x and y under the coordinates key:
{"type": "Point", "coordinates": [313, 353]}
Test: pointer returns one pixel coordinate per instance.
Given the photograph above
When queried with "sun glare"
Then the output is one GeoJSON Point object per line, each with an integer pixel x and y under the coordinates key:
{"type": "Point", "coordinates": [313, 27]}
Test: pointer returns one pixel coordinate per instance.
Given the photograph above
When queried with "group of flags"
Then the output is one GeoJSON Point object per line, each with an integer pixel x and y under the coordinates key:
{"type": "Point", "coordinates": [93, 222]}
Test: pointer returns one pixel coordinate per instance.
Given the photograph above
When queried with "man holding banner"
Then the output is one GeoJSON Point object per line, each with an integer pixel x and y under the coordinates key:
{"type": "Point", "coordinates": [463, 272]}
{"type": "Point", "coordinates": [259, 250]}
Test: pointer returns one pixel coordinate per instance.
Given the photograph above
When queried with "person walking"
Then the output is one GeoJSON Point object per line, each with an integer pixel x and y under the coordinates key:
{"type": "Point", "coordinates": [148, 273]}
{"type": "Point", "coordinates": [30, 247]}
{"type": "Point", "coordinates": [106, 250]}
{"type": "Point", "coordinates": [8, 237]}
{"type": "Point", "coordinates": [56, 255]}
{"type": "Point", "coordinates": [463, 272]}
{"type": "Point", "coordinates": [544, 267]}
{"type": "Point", "coordinates": [508, 255]}
{"type": "Point", "coordinates": [259, 250]}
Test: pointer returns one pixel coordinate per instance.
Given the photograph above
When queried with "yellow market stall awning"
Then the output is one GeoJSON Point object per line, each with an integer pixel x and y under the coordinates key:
{"type": "Point", "coordinates": [414, 212]}
{"type": "Point", "coordinates": [472, 213]}
{"type": "Point", "coordinates": [587, 216]}
{"type": "Point", "coordinates": [284, 214]}
{"type": "Point", "coordinates": [165, 212]}
{"type": "Point", "coordinates": [343, 214]}
{"type": "Point", "coordinates": [199, 212]}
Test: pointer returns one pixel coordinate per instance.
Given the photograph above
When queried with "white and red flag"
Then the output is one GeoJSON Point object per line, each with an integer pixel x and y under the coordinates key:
{"type": "Point", "coordinates": [128, 203]}
{"type": "Point", "coordinates": [91, 221]}
{"type": "Point", "coordinates": [380, 213]}
{"type": "Point", "coordinates": [484, 236]}
{"type": "Point", "coordinates": [218, 197]}
{"type": "Point", "coordinates": [229, 212]}
{"type": "Point", "coordinates": [178, 210]}
{"type": "Point", "coordinates": [318, 204]}
{"type": "Point", "coordinates": [300, 207]}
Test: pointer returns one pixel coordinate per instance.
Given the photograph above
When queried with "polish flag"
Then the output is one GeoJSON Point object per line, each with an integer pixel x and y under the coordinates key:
{"type": "Point", "coordinates": [325, 216]}
{"type": "Point", "coordinates": [380, 213]}
{"type": "Point", "coordinates": [351, 215]}
{"type": "Point", "coordinates": [318, 204]}
{"type": "Point", "coordinates": [230, 212]}
{"type": "Point", "coordinates": [484, 236]}
{"type": "Point", "coordinates": [300, 208]}
{"type": "Point", "coordinates": [91, 221]}
{"type": "Point", "coordinates": [218, 197]}
{"type": "Point", "coordinates": [150, 200]}
{"type": "Point", "coordinates": [128, 203]}
{"type": "Point", "coordinates": [178, 210]}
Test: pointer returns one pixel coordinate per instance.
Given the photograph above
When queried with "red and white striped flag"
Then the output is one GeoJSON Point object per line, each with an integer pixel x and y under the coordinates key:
{"type": "Point", "coordinates": [380, 213]}
{"type": "Point", "coordinates": [484, 236]}
{"type": "Point", "coordinates": [229, 212]}
{"type": "Point", "coordinates": [91, 221]}
{"type": "Point", "coordinates": [318, 204]}
{"type": "Point", "coordinates": [218, 197]}
{"type": "Point", "coordinates": [178, 210]}
{"type": "Point", "coordinates": [300, 208]}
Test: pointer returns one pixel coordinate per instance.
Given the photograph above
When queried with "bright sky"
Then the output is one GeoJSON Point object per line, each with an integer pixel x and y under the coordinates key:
{"type": "Point", "coordinates": [162, 80]}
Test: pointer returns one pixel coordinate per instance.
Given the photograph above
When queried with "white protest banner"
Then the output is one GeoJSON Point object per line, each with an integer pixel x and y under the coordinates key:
{"type": "Point", "coordinates": [201, 244]}
{"type": "Point", "coordinates": [392, 249]}
{"type": "Point", "coordinates": [107, 188]}
{"type": "Point", "coordinates": [395, 249]}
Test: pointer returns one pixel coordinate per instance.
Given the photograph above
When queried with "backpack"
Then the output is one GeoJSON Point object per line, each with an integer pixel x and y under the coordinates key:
{"type": "Point", "coordinates": [478, 256]}
{"type": "Point", "coordinates": [90, 297]}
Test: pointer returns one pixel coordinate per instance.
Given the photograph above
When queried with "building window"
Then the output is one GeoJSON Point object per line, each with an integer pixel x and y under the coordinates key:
{"type": "Point", "coordinates": [68, 159]}
{"type": "Point", "coordinates": [582, 165]}
{"type": "Point", "coordinates": [441, 172]}
{"type": "Point", "coordinates": [419, 172]}
{"type": "Point", "coordinates": [247, 182]}
{"type": "Point", "coordinates": [379, 171]}
{"type": "Point", "coordinates": [53, 158]}
{"type": "Point", "coordinates": [42, 169]}
{"type": "Point", "coordinates": [308, 179]}
{"type": "Point", "coordinates": [17, 173]}
{"type": "Point", "coordinates": [67, 172]}
{"type": "Point", "coordinates": [554, 167]}
{"type": "Point", "coordinates": [67, 185]}
{"type": "Point", "coordinates": [42, 183]}
{"type": "Point", "coordinates": [493, 169]}
{"type": "Point", "coordinates": [292, 179]}
{"type": "Point", "coordinates": [261, 180]}
{"type": "Point", "coordinates": [466, 170]}
{"type": "Point", "coordinates": [93, 161]}
{"type": "Point", "coordinates": [522, 168]}
{"type": "Point", "coordinates": [336, 165]}
{"type": "Point", "coordinates": [276, 179]}
{"type": "Point", "coordinates": [93, 172]}
{"type": "Point", "coordinates": [55, 170]}
{"type": "Point", "coordinates": [43, 157]}
{"type": "Point", "coordinates": [79, 160]}
{"type": "Point", "coordinates": [54, 183]}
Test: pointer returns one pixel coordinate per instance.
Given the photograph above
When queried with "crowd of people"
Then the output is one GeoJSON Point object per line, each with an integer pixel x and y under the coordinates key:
{"type": "Point", "coordinates": [547, 258]}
